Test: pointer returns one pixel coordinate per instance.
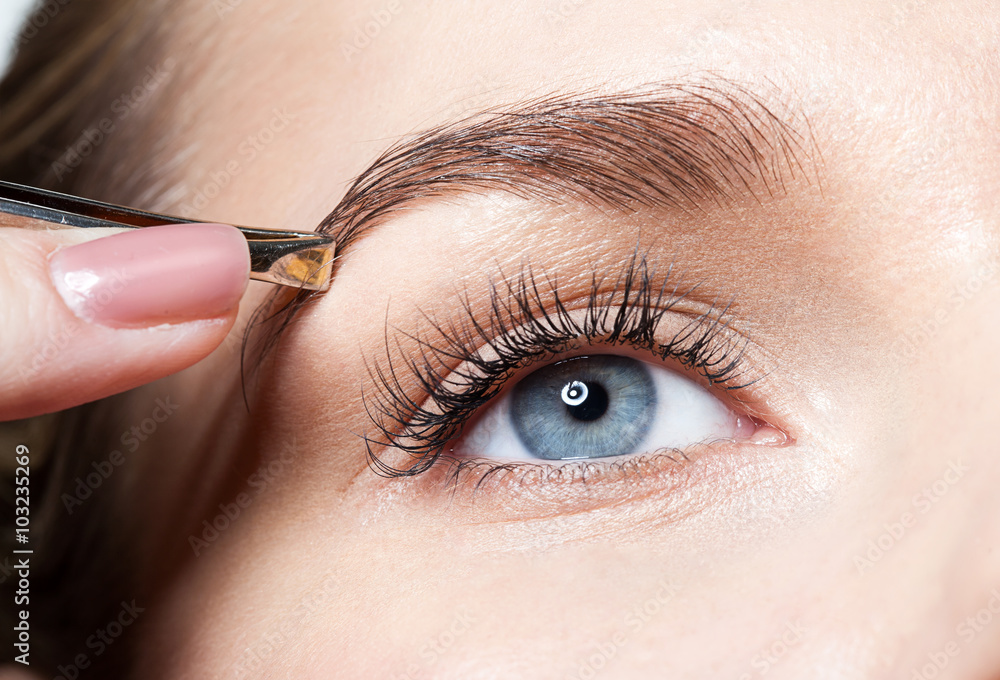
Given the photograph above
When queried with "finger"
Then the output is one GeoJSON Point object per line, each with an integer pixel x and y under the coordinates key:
{"type": "Point", "coordinates": [82, 317]}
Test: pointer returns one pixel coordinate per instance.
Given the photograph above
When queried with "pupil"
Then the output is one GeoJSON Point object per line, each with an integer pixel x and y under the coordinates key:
{"type": "Point", "coordinates": [585, 401]}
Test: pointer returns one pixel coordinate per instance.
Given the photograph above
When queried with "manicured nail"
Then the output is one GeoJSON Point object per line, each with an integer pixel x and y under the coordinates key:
{"type": "Point", "coordinates": [154, 275]}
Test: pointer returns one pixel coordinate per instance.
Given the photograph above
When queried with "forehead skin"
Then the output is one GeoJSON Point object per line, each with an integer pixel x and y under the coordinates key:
{"type": "Point", "coordinates": [330, 572]}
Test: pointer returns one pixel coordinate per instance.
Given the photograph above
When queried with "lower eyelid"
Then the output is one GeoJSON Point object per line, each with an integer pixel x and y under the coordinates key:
{"type": "Point", "coordinates": [679, 483]}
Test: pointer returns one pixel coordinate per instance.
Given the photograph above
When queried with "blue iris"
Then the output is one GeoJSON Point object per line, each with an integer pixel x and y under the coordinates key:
{"type": "Point", "coordinates": [585, 407]}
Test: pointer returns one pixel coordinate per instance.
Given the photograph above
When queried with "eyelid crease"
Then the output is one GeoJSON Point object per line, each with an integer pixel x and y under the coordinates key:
{"type": "Point", "coordinates": [527, 324]}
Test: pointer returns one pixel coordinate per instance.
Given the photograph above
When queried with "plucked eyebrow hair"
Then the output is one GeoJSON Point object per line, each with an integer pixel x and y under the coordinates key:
{"type": "Point", "coordinates": [681, 146]}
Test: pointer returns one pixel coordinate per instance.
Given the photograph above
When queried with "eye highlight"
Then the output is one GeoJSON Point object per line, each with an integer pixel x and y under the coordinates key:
{"type": "Point", "coordinates": [598, 406]}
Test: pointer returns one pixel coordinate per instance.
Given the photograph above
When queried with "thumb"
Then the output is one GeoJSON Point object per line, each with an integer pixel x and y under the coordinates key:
{"type": "Point", "coordinates": [85, 317]}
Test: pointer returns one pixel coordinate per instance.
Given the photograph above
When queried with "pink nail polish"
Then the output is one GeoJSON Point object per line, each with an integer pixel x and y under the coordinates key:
{"type": "Point", "coordinates": [154, 275]}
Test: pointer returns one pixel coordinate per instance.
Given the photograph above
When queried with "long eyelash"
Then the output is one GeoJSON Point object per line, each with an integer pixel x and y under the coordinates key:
{"type": "Point", "coordinates": [529, 322]}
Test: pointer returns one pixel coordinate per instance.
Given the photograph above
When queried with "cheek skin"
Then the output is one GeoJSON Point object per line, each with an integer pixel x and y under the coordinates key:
{"type": "Point", "coordinates": [420, 574]}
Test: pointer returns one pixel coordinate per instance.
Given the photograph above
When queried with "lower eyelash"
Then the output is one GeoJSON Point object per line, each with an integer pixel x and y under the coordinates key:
{"type": "Point", "coordinates": [478, 474]}
{"type": "Point", "coordinates": [528, 323]}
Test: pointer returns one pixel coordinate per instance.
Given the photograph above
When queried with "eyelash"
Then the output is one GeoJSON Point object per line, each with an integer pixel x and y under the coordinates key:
{"type": "Point", "coordinates": [529, 323]}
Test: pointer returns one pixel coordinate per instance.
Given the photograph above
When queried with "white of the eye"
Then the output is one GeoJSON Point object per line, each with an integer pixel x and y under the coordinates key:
{"type": "Point", "coordinates": [686, 414]}
{"type": "Point", "coordinates": [575, 393]}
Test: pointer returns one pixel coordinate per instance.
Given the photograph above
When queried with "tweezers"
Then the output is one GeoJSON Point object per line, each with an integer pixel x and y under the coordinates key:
{"type": "Point", "coordinates": [301, 260]}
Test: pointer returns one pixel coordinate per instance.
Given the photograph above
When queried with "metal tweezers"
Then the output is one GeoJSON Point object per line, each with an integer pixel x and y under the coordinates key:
{"type": "Point", "coordinates": [301, 260]}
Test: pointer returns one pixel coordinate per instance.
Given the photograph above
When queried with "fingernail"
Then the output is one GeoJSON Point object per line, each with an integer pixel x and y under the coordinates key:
{"type": "Point", "coordinates": [154, 275]}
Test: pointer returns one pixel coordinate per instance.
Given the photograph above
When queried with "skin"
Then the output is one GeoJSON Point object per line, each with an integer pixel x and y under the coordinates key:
{"type": "Point", "coordinates": [744, 561]}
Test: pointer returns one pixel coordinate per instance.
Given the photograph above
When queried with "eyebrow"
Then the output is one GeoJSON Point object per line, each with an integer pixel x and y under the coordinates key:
{"type": "Point", "coordinates": [681, 146]}
{"type": "Point", "coordinates": [685, 146]}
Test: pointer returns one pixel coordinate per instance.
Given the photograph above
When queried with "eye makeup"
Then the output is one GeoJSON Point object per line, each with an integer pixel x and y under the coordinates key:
{"type": "Point", "coordinates": [529, 322]}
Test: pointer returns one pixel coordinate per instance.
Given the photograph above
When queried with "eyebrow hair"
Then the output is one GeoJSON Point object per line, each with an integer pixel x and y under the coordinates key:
{"type": "Point", "coordinates": [683, 146]}
{"type": "Point", "coordinates": [667, 145]}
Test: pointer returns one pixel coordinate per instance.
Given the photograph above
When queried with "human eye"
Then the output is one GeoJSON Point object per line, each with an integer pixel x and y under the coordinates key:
{"type": "Point", "coordinates": [537, 379]}
{"type": "Point", "coordinates": [600, 406]}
